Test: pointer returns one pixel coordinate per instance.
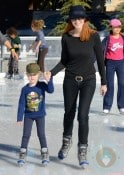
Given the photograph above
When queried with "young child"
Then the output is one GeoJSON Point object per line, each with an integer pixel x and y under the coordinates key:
{"type": "Point", "coordinates": [39, 45]}
{"type": "Point", "coordinates": [32, 106]}
{"type": "Point", "coordinates": [113, 46]}
{"type": "Point", "coordinates": [16, 44]}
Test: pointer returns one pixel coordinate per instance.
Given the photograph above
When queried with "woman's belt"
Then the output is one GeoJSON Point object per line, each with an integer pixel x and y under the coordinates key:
{"type": "Point", "coordinates": [79, 78]}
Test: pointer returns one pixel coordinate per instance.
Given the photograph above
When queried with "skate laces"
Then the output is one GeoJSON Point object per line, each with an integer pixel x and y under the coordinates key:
{"type": "Point", "coordinates": [83, 153]}
{"type": "Point", "coordinates": [66, 144]}
{"type": "Point", "coordinates": [45, 154]}
{"type": "Point", "coordinates": [22, 155]}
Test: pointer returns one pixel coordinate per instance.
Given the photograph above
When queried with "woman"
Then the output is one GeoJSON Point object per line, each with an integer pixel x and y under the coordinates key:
{"type": "Point", "coordinates": [79, 42]}
{"type": "Point", "coordinates": [114, 58]}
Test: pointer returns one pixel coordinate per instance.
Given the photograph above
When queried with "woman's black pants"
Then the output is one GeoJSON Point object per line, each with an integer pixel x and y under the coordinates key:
{"type": "Point", "coordinates": [72, 91]}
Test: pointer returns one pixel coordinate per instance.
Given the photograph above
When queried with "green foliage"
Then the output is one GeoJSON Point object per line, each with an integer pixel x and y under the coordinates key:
{"type": "Point", "coordinates": [121, 17]}
{"type": "Point", "coordinates": [64, 10]}
{"type": "Point", "coordinates": [105, 22]}
{"type": "Point", "coordinates": [58, 30]}
{"type": "Point", "coordinates": [120, 7]}
{"type": "Point", "coordinates": [118, 16]}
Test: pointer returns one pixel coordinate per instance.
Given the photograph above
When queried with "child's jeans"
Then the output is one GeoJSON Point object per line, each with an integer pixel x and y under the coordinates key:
{"type": "Point", "coordinates": [113, 67]}
{"type": "Point", "coordinates": [12, 66]}
{"type": "Point", "coordinates": [40, 124]}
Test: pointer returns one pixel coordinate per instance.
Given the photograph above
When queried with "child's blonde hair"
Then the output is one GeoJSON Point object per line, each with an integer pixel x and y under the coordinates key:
{"type": "Point", "coordinates": [37, 24]}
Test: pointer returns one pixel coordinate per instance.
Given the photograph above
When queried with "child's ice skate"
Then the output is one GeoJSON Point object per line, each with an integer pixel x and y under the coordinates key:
{"type": "Point", "coordinates": [44, 156]}
{"type": "Point", "coordinates": [22, 156]}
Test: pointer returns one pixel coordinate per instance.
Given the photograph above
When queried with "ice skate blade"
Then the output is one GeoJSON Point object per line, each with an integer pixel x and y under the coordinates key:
{"type": "Point", "coordinates": [45, 163]}
{"type": "Point", "coordinates": [84, 165]}
{"type": "Point", "coordinates": [61, 156]}
{"type": "Point", "coordinates": [21, 163]}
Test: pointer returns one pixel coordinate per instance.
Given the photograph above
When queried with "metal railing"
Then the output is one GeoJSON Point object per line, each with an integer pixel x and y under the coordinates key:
{"type": "Point", "coordinates": [54, 45]}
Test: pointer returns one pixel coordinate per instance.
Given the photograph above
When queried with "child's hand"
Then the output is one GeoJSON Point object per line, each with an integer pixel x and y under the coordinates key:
{"type": "Point", "coordinates": [36, 49]}
{"type": "Point", "coordinates": [103, 90]}
{"type": "Point", "coordinates": [33, 46]}
{"type": "Point", "coordinates": [30, 47]}
{"type": "Point", "coordinates": [16, 46]}
{"type": "Point", "coordinates": [19, 123]}
{"type": "Point", "coordinates": [14, 54]}
{"type": "Point", "coordinates": [47, 75]}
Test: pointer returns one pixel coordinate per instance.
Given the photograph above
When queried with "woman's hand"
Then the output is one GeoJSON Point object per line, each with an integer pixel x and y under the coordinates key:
{"type": "Point", "coordinates": [103, 90]}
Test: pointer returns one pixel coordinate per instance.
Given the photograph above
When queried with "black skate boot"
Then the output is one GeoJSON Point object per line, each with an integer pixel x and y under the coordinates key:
{"type": "Point", "coordinates": [67, 143]}
{"type": "Point", "coordinates": [22, 156]}
{"type": "Point", "coordinates": [45, 156]}
{"type": "Point", "coordinates": [82, 155]}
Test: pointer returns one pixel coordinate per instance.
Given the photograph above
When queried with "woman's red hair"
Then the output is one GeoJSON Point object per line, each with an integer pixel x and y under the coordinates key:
{"type": "Point", "coordinates": [86, 32]}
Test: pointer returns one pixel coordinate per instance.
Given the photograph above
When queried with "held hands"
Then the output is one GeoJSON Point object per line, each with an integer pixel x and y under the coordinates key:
{"type": "Point", "coordinates": [103, 90]}
{"type": "Point", "coordinates": [47, 75]}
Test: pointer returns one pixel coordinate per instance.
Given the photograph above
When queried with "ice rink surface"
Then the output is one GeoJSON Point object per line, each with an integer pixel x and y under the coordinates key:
{"type": "Point", "coordinates": [106, 136]}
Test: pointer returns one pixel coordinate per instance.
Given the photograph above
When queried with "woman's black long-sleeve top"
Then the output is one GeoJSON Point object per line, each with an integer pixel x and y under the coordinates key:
{"type": "Point", "coordinates": [77, 56]}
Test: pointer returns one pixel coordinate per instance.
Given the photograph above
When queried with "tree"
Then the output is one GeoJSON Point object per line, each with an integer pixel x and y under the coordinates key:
{"type": "Point", "coordinates": [98, 6]}
{"type": "Point", "coordinates": [120, 7]}
{"type": "Point", "coordinates": [47, 4]}
{"type": "Point", "coordinates": [58, 30]}
{"type": "Point", "coordinates": [119, 14]}
{"type": "Point", "coordinates": [65, 8]}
